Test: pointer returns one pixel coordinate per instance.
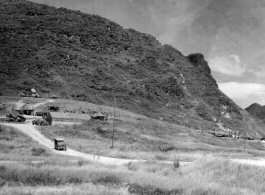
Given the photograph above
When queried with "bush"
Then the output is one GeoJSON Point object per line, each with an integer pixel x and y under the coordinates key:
{"type": "Point", "coordinates": [166, 147]}
{"type": "Point", "coordinates": [176, 163]}
{"type": "Point", "coordinates": [39, 152]}
{"type": "Point", "coordinates": [80, 162]}
{"type": "Point", "coordinates": [149, 190]}
{"type": "Point", "coordinates": [160, 157]}
{"type": "Point", "coordinates": [109, 179]}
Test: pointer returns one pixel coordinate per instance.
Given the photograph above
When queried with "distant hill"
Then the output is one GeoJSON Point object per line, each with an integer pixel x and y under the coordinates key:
{"type": "Point", "coordinates": [257, 111]}
{"type": "Point", "coordinates": [87, 57]}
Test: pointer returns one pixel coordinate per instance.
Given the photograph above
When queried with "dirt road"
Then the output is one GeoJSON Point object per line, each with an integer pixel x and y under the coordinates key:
{"type": "Point", "coordinates": [32, 132]}
{"type": "Point", "coordinates": [258, 162]}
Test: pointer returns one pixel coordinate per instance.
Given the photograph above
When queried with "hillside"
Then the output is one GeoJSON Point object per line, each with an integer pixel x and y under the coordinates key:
{"type": "Point", "coordinates": [86, 57]}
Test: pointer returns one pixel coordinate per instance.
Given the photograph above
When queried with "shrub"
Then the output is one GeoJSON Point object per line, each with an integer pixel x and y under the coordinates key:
{"type": "Point", "coordinates": [160, 157]}
{"type": "Point", "coordinates": [39, 152]}
{"type": "Point", "coordinates": [2, 182]}
{"type": "Point", "coordinates": [80, 162]}
{"type": "Point", "coordinates": [108, 179]}
{"type": "Point", "coordinates": [176, 163]}
{"type": "Point", "coordinates": [166, 147]}
{"type": "Point", "coordinates": [149, 190]}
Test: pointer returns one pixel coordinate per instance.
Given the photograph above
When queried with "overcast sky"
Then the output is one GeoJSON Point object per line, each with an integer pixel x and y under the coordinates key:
{"type": "Point", "coordinates": [229, 33]}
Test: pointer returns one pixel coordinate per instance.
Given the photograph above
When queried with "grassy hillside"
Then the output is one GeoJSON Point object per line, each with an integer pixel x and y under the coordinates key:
{"type": "Point", "coordinates": [86, 57]}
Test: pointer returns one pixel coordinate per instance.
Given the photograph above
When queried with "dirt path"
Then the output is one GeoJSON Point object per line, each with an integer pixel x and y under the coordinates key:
{"type": "Point", "coordinates": [39, 104]}
{"type": "Point", "coordinates": [32, 132]}
{"type": "Point", "coordinates": [258, 162]}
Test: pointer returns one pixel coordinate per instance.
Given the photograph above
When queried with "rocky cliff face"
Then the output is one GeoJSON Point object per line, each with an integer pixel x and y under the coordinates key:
{"type": "Point", "coordinates": [86, 57]}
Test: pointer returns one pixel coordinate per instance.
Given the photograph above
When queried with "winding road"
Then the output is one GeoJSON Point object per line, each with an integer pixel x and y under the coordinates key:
{"type": "Point", "coordinates": [32, 132]}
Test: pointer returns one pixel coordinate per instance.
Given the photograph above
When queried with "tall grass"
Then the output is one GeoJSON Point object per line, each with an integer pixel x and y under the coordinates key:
{"type": "Point", "coordinates": [204, 177]}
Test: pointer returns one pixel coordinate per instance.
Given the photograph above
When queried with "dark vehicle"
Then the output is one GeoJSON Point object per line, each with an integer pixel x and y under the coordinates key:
{"type": "Point", "coordinates": [36, 95]}
{"type": "Point", "coordinates": [15, 118]}
{"type": "Point", "coordinates": [59, 144]}
{"type": "Point", "coordinates": [40, 122]}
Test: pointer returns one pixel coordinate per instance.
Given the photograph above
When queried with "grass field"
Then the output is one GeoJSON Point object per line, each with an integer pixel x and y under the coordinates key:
{"type": "Point", "coordinates": [142, 139]}
{"type": "Point", "coordinates": [204, 177]}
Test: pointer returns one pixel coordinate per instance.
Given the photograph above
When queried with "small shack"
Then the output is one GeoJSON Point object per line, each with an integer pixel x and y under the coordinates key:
{"type": "Point", "coordinates": [60, 116]}
{"type": "Point", "coordinates": [99, 116]}
{"type": "Point", "coordinates": [44, 111]}
{"type": "Point", "coordinates": [26, 109]}
{"type": "Point", "coordinates": [54, 96]}
{"type": "Point", "coordinates": [26, 112]}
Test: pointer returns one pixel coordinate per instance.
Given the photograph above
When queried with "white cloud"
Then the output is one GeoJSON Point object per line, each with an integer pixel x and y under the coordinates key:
{"type": "Point", "coordinates": [244, 94]}
{"type": "Point", "coordinates": [229, 65]}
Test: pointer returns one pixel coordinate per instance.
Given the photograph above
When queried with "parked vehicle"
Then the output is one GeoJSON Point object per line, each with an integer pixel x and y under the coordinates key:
{"type": "Point", "coordinates": [15, 118]}
{"type": "Point", "coordinates": [40, 122]}
{"type": "Point", "coordinates": [59, 144]}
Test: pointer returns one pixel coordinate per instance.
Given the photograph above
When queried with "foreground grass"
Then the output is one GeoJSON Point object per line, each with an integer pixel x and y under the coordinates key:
{"type": "Point", "coordinates": [204, 177]}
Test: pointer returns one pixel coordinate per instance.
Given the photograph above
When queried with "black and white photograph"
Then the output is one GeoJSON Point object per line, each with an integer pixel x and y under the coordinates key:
{"type": "Point", "coordinates": [132, 97]}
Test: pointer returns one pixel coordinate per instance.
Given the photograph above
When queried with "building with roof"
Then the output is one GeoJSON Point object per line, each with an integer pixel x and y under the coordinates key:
{"type": "Point", "coordinates": [99, 116]}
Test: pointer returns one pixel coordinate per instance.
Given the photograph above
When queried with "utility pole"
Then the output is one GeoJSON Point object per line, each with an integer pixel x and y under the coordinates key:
{"type": "Point", "coordinates": [244, 130]}
{"type": "Point", "coordinates": [113, 129]}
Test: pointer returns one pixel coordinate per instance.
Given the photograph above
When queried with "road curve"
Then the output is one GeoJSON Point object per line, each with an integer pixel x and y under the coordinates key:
{"type": "Point", "coordinates": [32, 132]}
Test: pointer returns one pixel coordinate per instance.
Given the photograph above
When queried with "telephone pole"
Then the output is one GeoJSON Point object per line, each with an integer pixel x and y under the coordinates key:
{"type": "Point", "coordinates": [244, 131]}
{"type": "Point", "coordinates": [113, 127]}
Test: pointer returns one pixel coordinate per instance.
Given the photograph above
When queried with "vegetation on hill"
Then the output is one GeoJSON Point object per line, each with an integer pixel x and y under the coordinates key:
{"type": "Point", "coordinates": [257, 111]}
{"type": "Point", "coordinates": [86, 57]}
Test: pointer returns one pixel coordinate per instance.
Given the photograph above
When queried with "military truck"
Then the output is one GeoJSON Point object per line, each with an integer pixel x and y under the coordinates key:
{"type": "Point", "coordinates": [41, 122]}
{"type": "Point", "coordinates": [59, 144]}
{"type": "Point", "coordinates": [45, 120]}
{"type": "Point", "coordinates": [15, 118]}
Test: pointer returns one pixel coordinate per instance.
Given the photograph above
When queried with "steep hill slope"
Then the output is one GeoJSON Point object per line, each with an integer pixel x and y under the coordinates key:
{"type": "Point", "coordinates": [87, 57]}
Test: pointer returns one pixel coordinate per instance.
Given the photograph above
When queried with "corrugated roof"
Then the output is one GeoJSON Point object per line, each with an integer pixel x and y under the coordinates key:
{"type": "Point", "coordinates": [59, 139]}
{"type": "Point", "coordinates": [70, 115]}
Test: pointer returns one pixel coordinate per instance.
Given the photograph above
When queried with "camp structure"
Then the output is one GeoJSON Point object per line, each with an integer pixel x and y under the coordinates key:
{"type": "Point", "coordinates": [99, 116]}
{"type": "Point", "coordinates": [61, 116]}
{"type": "Point", "coordinates": [26, 110]}
{"type": "Point", "coordinates": [54, 96]}
{"type": "Point", "coordinates": [52, 108]}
